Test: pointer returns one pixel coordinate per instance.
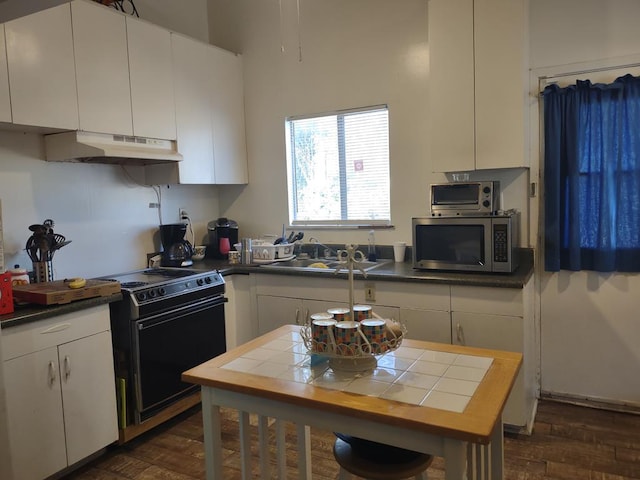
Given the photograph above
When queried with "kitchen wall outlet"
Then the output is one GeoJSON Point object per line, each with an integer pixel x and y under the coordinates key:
{"type": "Point", "coordinates": [369, 292]}
{"type": "Point", "coordinates": [182, 214]}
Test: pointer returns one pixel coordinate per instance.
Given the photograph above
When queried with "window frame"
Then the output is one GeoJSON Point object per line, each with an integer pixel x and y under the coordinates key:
{"type": "Point", "coordinates": [291, 196]}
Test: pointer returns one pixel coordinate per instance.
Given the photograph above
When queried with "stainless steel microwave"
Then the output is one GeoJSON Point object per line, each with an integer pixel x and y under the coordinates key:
{"type": "Point", "coordinates": [465, 198]}
{"type": "Point", "coordinates": [466, 243]}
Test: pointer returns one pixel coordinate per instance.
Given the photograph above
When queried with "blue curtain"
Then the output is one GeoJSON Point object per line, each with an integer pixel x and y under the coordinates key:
{"type": "Point", "coordinates": [592, 176]}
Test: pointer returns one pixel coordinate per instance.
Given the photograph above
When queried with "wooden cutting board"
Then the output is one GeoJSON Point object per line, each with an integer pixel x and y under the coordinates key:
{"type": "Point", "coordinates": [58, 292]}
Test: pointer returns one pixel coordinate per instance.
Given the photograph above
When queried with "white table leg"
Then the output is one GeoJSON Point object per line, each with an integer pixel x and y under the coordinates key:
{"type": "Point", "coordinates": [212, 436]}
{"type": "Point", "coordinates": [245, 445]}
{"type": "Point", "coordinates": [281, 450]}
{"type": "Point", "coordinates": [304, 452]}
{"type": "Point", "coordinates": [496, 449]}
{"type": "Point", "coordinates": [263, 442]}
{"type": "Point", "coordinates": [455, 459]}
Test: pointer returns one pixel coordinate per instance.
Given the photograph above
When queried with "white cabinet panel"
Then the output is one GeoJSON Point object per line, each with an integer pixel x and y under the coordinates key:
{"type": "Point", "coordinates": [88, 390]}
{"type": "Point", "coordinates": [151, 79]}
{"type": "Point", "coordinates": [5, 103]}
{"type": "Point", "coordinates": [478, 89]}
{"type": "Point", "coordinates": [427, 325]}
{"type": "Point", "coordinates": [239, 327]}
{"type": "Point", "coordinates": [34, 406]}
{"type": "Point", "coordinates": [41, 69]}
{"type": "Point", "coordinates": [501, 83]}
{"type": "Point", "coordinates": [227, 113]}
{"type": "Point", "coordinates": [499, 332]}
{"type": "Point", "coordinates": [274, 312]}
{"type": "Point", "coordinates": [61, 398]}
{"type": "Point", "coordinates": [498, 301]}
{"type": "Point", "coordinates": [193, 73]}
{"type": "Point", "coordinates": [451, 85]}
{"type": "Point", "coordinates": [102, 69]}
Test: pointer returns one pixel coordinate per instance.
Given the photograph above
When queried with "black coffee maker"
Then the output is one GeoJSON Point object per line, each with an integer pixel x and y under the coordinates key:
{"type": "Point", "coordinates": [223, 234]}
{"type": "Point", "coordinates": [177, 251]}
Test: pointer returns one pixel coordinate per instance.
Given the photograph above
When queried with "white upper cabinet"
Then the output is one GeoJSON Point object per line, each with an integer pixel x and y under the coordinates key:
{"type": "Point", "coordinates": [41, 69]}
{"type": "Point", "coordinates": [227, 110]}
{"type": "Point", "coordinates": [192, 72]}
{"type": "Point", "coordinates": [102, 69]}
{"type": "Point", "coordinates": [209, 117]}
{"type": "Point", "coordinates": [151, 79]}
{"type": "Point", "coordinates": [5, 103]}
{"type": "Point", "coordinates": [478, 84]}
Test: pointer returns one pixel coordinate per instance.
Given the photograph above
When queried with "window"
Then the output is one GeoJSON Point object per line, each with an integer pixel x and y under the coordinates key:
{"type": "Point", "coordinates": [338, 168]}
{"type": "Point", "coordinates": [592, 176]}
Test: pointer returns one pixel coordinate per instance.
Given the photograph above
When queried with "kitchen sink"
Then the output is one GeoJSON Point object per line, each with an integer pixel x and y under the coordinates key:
{"type": "Point", "coordinates": [331, 264]}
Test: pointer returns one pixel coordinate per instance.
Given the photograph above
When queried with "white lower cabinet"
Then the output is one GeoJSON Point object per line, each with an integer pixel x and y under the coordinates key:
{"type": "Point", "coordinates": [427, 325]}
{"type": "Point", "coordinates": [274, 312]}
{"type": "Point", "coordinates": [485, 317]}
{"type": "Point", "coordinates": [61, 399]}
{"type": "Point", "coordinates": [502, 319]}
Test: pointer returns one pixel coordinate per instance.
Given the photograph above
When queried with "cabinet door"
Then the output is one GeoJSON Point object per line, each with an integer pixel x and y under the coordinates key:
{"type": "Point", "coordinates": [499, 332]}
{"type": "Point", "coordinates": [451, 85]}
{"type": "Point", "coordinates": [88, 391]}
{"type": "Point", "coordinates": [193, 73]}
{"type": "Point", "coordinates": [102, 69]}
{"type": "Point", "coordinates": [274, 312]}
{"type": "Point", "coordinates": [151, 78]}
{"type": "Point", "coordinates": [5, 103]}
{"type": "Point", "coordinates": [34, 406]}
{"type": "Point", "coordinates": [501, 78]}
{"type": "Point", "coordinates": [229, 143]}
{"type": "Point", "coordinates": [41, 69]}
{"type": "Point", "coordinates": [427, 325]}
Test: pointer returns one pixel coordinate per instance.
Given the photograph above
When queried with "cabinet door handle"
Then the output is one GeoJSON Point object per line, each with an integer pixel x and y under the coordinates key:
{"type": "Point", "coordinates": [460, 334]}
{"type": "Point", "coordinates": [52, 373]}
{"type": "Point", "coordinates": [56, 328]}
{"type": "Point", "coordinates": [297, 316]}
{"type": "Point", "coordinates": [67, 367]}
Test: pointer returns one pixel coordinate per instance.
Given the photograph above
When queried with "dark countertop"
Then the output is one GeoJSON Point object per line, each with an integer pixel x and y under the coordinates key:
{"type": "Point", "coordinates": [394, 272]}
{"type": "Point", "coordinates": [389, 271]}
{"type": "Point", "coordinates": [33, 312]}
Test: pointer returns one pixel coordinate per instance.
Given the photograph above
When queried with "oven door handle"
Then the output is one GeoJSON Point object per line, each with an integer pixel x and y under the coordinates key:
{"type": "Point", "coordinates": [150, 322]}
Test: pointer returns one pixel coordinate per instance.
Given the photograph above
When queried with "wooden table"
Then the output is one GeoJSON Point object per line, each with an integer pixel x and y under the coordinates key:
{"type": "Point", "coordinates": [470, 441]}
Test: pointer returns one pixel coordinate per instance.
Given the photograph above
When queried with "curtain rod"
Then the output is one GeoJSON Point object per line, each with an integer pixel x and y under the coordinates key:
{"type": "Point", "coordinates": [591, 70]}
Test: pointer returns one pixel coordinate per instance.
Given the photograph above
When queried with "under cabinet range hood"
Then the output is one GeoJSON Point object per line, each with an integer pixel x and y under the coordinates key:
{"type": "Point", "coordinates": [89, 147]}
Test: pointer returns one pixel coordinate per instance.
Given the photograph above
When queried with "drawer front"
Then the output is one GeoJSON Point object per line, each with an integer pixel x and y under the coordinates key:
{"type": "Point", "coordinates": [32, 337]}
{"type": "Point", "coordinates": [314, 288]}
{"type": "Point", "coordinates": [408, 295]}
{"type": "Point", "coordinates": [492, 301]}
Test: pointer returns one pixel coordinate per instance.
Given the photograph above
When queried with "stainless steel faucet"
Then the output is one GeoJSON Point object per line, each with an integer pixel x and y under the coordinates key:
{"type": "Point", "coordinates": [328, 251]}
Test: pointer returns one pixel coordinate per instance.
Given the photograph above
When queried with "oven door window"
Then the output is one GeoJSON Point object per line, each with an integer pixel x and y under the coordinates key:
{"type": "Point", "coordinates": [171, 343]}
{"type": "Point", "coordinates": [451, 244]}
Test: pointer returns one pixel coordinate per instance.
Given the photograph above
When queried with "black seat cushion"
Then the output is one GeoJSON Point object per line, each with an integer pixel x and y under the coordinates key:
{"type": "Point", "coordinates": [375, 452]}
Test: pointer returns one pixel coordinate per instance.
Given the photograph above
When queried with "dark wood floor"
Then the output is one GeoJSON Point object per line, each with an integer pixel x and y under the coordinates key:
{"type": "Point", "coordinates": [569, 442]}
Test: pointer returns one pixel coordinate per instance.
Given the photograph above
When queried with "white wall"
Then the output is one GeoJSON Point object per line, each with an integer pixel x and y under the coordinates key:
{"type": "Point", "coordinates": [354, 53]}
{"type": "Point", "coordinates": [589, 321]}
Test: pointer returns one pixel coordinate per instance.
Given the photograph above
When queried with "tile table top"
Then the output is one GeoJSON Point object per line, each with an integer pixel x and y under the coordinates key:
{"type": "Point", "coordinates": [416, 376]}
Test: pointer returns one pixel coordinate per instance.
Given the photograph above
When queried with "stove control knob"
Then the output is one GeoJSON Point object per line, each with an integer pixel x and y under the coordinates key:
{"type": "Point", "coordinates": [141, 296]}
{"type": "Point", "coordinates": [162, 291]}
{"type": "Point", "coordinates": [152, 293]}
{"type": "Point", "coordinates": [200, 282]}
{"type": "Point", "coordinates": [208, 279]}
